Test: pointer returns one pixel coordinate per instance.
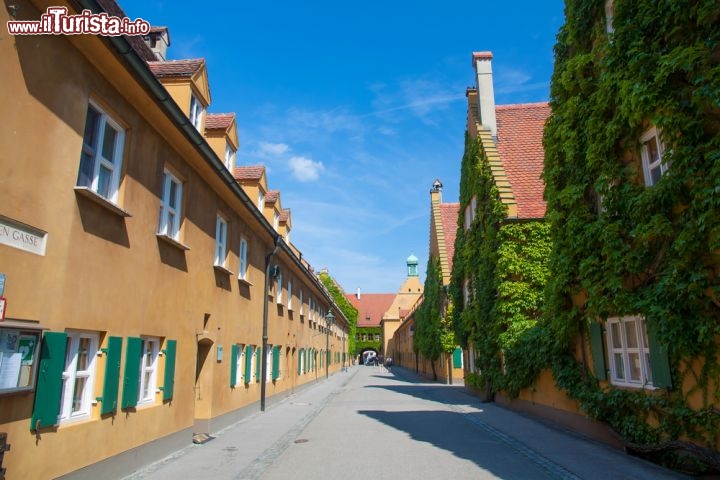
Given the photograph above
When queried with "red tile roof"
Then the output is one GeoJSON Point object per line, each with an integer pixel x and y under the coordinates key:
{"type": "Point", "coordinates": [218, 121]}
{"type": "Point", "coordinates": [284, 215]}
{"type": "Point", "coordinates": [481, 56]}
{"type": "Point", "coordinates": [254, 172]}
{"type": "Point", "coordinates": [272, 197]}
{"type": "Point", "coordinates": [371, 307]}
{"type": "Point", "coordinates": [136, 41]}
{"type": "Point", "coordinates": [449, 217]}
{"type": "Point", "coordinates": [176, 68]}
{"type": "Point", "coordinates": [519, 144]}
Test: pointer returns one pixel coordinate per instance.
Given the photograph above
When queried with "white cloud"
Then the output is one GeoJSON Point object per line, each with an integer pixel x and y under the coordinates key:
{"type": "Point", "coordinates": [273, 148]}
{"type": "Point", "coordinates": [305, 169]}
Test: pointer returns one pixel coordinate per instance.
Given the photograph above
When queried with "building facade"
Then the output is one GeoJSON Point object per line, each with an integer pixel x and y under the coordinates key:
{"type": "Point", "coordinates": [134, 264]}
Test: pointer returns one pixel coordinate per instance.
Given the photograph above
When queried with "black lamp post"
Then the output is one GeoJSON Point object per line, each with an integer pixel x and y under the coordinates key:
{"type": "Point", "coordinates": [329, 320]}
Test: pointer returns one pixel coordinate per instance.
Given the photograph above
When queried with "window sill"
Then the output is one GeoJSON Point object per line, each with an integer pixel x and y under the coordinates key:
{"type": "Point", "coordinates": [172, 242]}
{"type": "Point", "coordinates": [221, 269]}
{"type": "Point", "coordinates": [102, 201]}
{"type": "Point", "coordinates": [244, 282]}
{"type": "Point", "coordinates": [632, 386]}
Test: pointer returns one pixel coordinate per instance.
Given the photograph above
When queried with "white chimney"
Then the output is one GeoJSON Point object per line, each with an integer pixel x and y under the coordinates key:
{"type": "Point", "coordinates": [357, 295]}
{"type": "Point", "coordinates": [482, 63]}
{"type": "Point", "coordinates": [158, 39]}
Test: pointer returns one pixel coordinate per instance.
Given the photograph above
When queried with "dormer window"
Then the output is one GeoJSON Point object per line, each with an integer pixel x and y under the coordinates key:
{"type": "Point", "coordinates": [261, 200]}
{"type": "Point", "coordinates": [229, 156]}
{"type": "Point", "coordinates": [197, 110]}
{"type": "Point", "coordinates": [287, 236]}
{"type": "Point", "coordinates": [276, 220]}
{"type": "Point", "coordinates": [652, 153]}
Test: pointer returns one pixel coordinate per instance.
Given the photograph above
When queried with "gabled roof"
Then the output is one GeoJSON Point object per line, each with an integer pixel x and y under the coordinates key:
{"type": "Point", "coordinates": [284, 215]}
{"type": "Point", "coordinates": [176, 68]}
{"type": "Point", "coordinates": [449, 218]}
{"type": "Point", "coordinates": [371, 307]}
{"type": "Point", "coordinates": [253, 172]}
{"type": "Point", "coordinates": [219, 121]}
{"type": "Point", "coordinates": [519, 144]}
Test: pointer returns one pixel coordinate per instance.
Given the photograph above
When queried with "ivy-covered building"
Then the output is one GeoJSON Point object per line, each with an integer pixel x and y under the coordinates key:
{"type": "Point", "coordinates": [425, 341]}
{"type": "Point", "coordinates": [502, 246]}
{"type": "Point", "coordinates": [632, 171]}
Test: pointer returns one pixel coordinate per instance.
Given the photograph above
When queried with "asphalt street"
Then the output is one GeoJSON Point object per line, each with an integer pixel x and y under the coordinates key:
{"type": "Point", "coordinates": [369, 423]}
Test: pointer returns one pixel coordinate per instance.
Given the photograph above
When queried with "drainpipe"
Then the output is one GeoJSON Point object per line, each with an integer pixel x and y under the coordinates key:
{"type": "Point", "coordinates": [263, 360]}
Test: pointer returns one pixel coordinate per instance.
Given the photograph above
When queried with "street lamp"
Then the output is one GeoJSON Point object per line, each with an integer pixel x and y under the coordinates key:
{"type": "Point", "coordinates": [329, 320]}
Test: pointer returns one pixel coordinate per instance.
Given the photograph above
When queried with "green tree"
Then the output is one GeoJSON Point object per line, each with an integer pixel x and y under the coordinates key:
{"type": "Point", "coordinates": [350, 312]}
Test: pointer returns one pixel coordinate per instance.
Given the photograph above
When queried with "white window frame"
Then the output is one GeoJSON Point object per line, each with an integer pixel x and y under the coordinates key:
{"type": "Point", "coordinates": [651, 164]}
{"type": "Point", "coordinates": [242, 259]}
{"type": "Point", "coordinates": [287, 236]}
{"type": "Point", "coordinates": [278, 288]}
{"type": "Point", "coordinates": [289, 294]}
{"type": "Point", "coordinates": [229, 156]}
{"type": "Point", "coordinates": [609, 15]}
{"type": "Point", "coordinates": [171, 217]}
{"type": "Point", "coordinates": [261, 200]}
{"type": "Point", "coordinates": [269, 363]}
{"type": "Point", "coordinates": [276, 220]}
{"type": "Point", "coordinates": [94, 154]}
{"type": "Point", "coordinates": [240, 365]}
{"type": "Point", "coordinates": [253, 364]}
{"type": "Point", "coordinates": [221, 228]}
{"type": "Point", "coordinates": [468, 219]}
{"type": "Point", "coordinates": [147, 388]}
{"type": "Point", "coordinates": [197, 111]}
{"type": "Point", "coordinates": [473, 207]}
{"type": "Point", "coordinates": [620, 374]}
{"type": "Point", "coordinates": [466, 292]}
{"type": "Point", "coordinates": [70, 375]}
{"type": "Point", "coordinates": [301, 301]}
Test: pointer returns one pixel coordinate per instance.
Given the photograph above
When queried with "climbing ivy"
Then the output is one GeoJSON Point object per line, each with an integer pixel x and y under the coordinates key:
{"type": "Point", "coordinates": [504, 263]}
{"type": "Point", "coordinates": [345, 306]}
{"type": "Point", "coordinates": [621, 248]}
{"type": "Point", "coordinates": [433, 319]}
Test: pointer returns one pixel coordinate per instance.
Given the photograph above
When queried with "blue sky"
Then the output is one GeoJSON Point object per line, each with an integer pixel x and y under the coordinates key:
{"type": "Point", "coordinates": [355, 109]}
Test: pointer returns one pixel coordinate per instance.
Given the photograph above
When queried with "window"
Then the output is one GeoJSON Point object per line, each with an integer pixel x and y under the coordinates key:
{"type": "Point", "coordinates": [101, 157]}
{"type": "Point", "coordinates": [148, 370]}
{"type": "Point", "coordinates": [243, 259]}
{"type": "Point", "coordinates": [261, 200]}
{"type": "Point", "coordinates": [609, 14]}
{"type": "Point", "coordinates": [301, 301]}
{"type": "Point", "coordinates": [377, 337]}
{"type": "Point", "coordinates": [628, 351]}
{"type": "Point", "coordinates": [473, 206]}
{"type": "Point", "coordinates": [239, 354]}
{"type": "Point", "coordinates": [197, 110]}
{"type": "Point", "coordinates": [287, 236]}
{"type": "Point", "coordinates": [276, 220]}
{"type": "Point", "coordinates": [220, 241]}
{"type": "Point", "coordinates": [229, 156]}
{"type": "Point", "coordinates": [171, 206]}
{"type": "Point", "coordinates": [78, 376]}
{"type": "Point", "coordinates": [268, 363]}
{"type": "Point", "coordinates": [278, 287]}
{"type": "Point", "coordinates": [466, 292]}
{"type": "Point", "coordinates": [289, 295]}
{"type": "Point", "coordinates": [468, 218]}
{"type": "Point", "coordinates": [652, 153]}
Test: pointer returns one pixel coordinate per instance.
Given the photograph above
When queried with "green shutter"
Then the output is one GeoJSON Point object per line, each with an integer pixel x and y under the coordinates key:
{"type": "Point", "coordinates": [300, 356]}
{"type": "Point", "coordinates": [659, 361]}
{"type": "Point", "coordinates": [457, 358]}
{"type": "Point", "coordinates": [169, 387]}
{"type": "Point", "coordinates": [131, 379]}
{"type": "Point", "coordinates": [258, 364]}
{"type": "Point", "coordinates": [49, 382]}
{"type": "Point", "coordinates": [235, 351]}
{"type": "Point", "coordinates": [112, 375]}
{"type": "Point", "coordinates": [598, 351]}
{"type": "Point", "coordinates": [248, 363]}
{"type": "Point", "coordinates": [276, 362]}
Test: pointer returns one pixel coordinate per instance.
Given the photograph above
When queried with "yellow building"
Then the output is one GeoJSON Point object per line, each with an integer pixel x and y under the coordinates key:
{"type": "Point", "coordinates": [134, 264]}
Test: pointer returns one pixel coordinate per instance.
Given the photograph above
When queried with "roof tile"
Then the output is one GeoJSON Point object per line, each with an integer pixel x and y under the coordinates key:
{"type": "Point", "coordinates": [254, 172]}
{"type": "Point", "coordinates": [519, 144]}
{"type": "Point", "coordinates": [218, 121]}
{"type": "Point", "coordinates": [371, 307]}
{"type": "Point", "coordinates": [449, 217]}
{"type": "Point", "coordinates": [176, 68]}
